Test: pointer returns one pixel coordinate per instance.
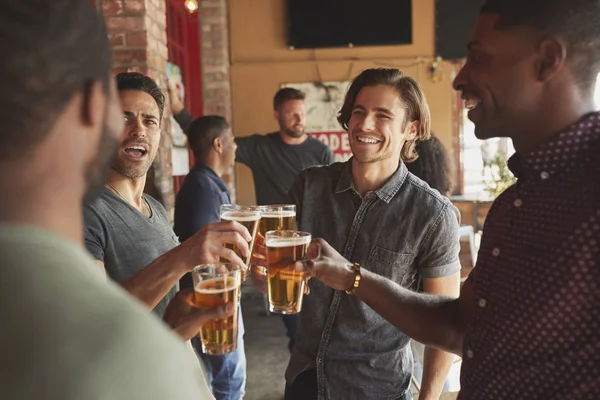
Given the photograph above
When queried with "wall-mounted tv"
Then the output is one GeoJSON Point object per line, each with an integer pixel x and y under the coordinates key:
{"type": "Point", "coordinates": [348, 23]}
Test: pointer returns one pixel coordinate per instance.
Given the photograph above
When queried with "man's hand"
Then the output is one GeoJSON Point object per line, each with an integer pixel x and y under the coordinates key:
{"type": "Point", "coordinates": [186, 319]}
{"type": "Point", "coordinates": [176, 104]}
{"type": "Point", "coordinates": [329, 266]}
{"type": "Point", "coordinates": [206, 246]}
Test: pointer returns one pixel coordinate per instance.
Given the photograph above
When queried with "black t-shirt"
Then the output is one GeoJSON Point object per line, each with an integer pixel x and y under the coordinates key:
{"type": "Point", "coordinates": [276, 165]}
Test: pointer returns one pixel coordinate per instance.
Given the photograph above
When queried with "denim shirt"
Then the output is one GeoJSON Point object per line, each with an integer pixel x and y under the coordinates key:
{"type": "Point", "coordinates": [404, 231]}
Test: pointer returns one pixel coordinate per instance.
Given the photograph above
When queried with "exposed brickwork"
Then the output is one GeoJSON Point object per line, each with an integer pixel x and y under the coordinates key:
{"type": "Point", "coordinates": [216, 83]}
{"type": "Point", "coordinates": [137, 33]}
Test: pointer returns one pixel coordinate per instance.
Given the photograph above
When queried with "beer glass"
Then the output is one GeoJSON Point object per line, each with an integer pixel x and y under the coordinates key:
{"type": "Point", "coordinates": [278, 217]}
{"type": "Point", "coordinates": [285, 284]}
{"type": "Point", "coordinates": [247, 216]}
{"type": "Point", "coordinates": [217, 285]}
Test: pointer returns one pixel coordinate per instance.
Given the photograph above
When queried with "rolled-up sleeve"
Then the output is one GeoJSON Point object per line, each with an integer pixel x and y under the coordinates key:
{"type": "Point", "coordinates": [440, 254]}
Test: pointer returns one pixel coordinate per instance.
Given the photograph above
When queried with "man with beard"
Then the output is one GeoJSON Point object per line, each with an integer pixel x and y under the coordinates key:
{"type": "Point", "coordinates": [129, 232]}
{"type": "Point", "coordinates": [67, 333]}
{"type": "Point", "coordinates": [276, 158]}
{"type": "Point", "coordinates": [528, 317]}
{"type": "Point", "coordinates": [388, 221]}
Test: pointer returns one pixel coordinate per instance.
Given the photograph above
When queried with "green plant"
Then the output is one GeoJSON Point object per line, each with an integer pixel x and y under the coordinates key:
{"type": "Point", "coordinates": [499, 178]}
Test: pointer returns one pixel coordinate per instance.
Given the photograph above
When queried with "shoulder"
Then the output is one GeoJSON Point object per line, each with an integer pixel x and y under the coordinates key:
{"type": "Point", "coordinates": [121, 330]}
{"type": "Point", "coordinates": [99, 209]}
{"type": "Point", "coordinates": [323, 172]}
{"type": "Point", "coordinates": [429, 200]}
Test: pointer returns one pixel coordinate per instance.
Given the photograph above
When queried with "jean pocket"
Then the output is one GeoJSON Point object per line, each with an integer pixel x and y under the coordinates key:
{"type": "Point", "coordinates": [397, 266]}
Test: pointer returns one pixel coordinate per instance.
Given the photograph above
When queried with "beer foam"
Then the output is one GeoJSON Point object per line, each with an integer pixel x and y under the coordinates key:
{"type": "Point", "coordinates": [279, 214]}
{"type": "Point", "coordinates": [288, 242]}
{"type": "Point", "coordinates": [200, 286]}
{"type": "Point", "coordinates": [240, 216]}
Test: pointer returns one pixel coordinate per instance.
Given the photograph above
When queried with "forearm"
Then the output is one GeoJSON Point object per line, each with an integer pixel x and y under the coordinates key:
{"type": "Point", "coordinates": [153, 282]}
{"type": "Point", "coordinates": [431, 319]}
{"type": "Point", "coordinates": [436, 365]}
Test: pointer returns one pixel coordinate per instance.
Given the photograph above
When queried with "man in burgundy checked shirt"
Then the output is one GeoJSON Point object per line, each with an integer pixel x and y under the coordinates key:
{"type": "Point", "coordinates": [528, 319]}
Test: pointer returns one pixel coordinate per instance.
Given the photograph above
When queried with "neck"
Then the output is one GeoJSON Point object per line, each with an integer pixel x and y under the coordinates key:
{"type": "Point", "coordinates": [212, 162]}
{"type": "Point", "coordinates": [556, 114]}
{"type": "Point", "coordinates": [368, 177]}
{"type": "Point", "coordinates": [131, 189]}
{"type": "Point", "coordinates": [39, 200]}
{"type": "Point", "coordinates": [292, 141]}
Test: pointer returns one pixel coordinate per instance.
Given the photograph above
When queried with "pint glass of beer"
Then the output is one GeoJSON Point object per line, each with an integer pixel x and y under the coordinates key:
{"type": "Point", "coordinates": [285, 284]}
{"type": "Point", "coordinates": [217, 285]}
{"type": "Point", "coordinates": [249, 216]}
{"type": "Point", "coordinates": [280, 217]}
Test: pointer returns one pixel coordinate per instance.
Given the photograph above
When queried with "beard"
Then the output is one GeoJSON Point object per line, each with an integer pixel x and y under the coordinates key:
{"type": "Point", "coordinates": [293, 133]}
{"type": "Point", "coordinates": [97, 170]}
{"type": "Point", "coordinates": [132, 169]}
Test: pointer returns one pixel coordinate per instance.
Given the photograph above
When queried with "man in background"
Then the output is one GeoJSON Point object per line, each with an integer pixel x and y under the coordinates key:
{"type": "Point", "coordinates": [197, 204]}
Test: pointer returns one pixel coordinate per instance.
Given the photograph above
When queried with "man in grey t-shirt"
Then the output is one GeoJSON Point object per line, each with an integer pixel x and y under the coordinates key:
{"type": "Point", "coordinates": [378, 215]}
{"type": "Point", "coordinates": [127, 231]}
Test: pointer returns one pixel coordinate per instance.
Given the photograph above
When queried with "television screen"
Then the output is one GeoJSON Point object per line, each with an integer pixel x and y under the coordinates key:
{"type": "Point", "coordinates": [348, 23]}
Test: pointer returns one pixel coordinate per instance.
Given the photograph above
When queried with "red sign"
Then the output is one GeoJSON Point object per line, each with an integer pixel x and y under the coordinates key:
{"type": "Point", "coordinates": [337, 142]}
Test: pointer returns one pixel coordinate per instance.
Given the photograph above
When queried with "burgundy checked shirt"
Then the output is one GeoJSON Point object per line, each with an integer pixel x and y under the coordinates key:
{"type": "Point", "coordinates": [536, 331]}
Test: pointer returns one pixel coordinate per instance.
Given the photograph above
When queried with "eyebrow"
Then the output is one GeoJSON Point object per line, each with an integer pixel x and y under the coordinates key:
{"type": "Point", "coordinates": [131, 114]}
{"type": "Point", "coordinates": [378, 109]}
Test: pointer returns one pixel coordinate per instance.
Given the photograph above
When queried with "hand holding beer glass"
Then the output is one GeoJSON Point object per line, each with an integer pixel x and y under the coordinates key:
{"type": "Point", "coordinates": [217, 285]}
{"type": "Point", "coordinates": [286, 286]}
{"type": "Point", "coordinates": [248, 216]}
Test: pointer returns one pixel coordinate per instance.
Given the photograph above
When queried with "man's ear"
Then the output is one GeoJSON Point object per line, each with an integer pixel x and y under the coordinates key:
{"type": "Point", "coordinates": [552, 58]}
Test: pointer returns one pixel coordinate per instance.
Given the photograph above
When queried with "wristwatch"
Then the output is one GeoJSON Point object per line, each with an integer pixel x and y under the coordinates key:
{"type": "Point", "coordinates": [356, 270]}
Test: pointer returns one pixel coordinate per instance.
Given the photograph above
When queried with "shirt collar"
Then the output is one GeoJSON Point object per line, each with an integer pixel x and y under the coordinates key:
{"type": "Point", "coordinates": [205, 169]}
{"type": "Point", "coordinates": [561, 154]}
{"type": "Point", "coordinates": [386, 193]}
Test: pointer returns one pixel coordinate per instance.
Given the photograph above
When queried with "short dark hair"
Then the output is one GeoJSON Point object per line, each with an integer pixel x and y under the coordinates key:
{"type": "Point", "coordinates": [411, 94]}
{"type": "Point", "coordinates": [204, 131]}
{"type": "Point", "coordinates": [433, 165]}
{"type": "Point", "coordinates": [286, 94]}
{"type": "Point", "coordinates": [141, 82]}
{"type": "Point", "coordinates": [573, 21]}
{"type": "Point", "coordinates": [51, 50]}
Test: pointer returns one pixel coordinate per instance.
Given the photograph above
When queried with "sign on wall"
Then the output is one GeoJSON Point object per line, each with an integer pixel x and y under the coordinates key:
{"type": "Point", "coordinates": [323, 102]}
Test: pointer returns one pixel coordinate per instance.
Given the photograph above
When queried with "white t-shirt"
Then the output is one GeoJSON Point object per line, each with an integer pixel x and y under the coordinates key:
{"type": "Point", "coordinates": [68, 334]}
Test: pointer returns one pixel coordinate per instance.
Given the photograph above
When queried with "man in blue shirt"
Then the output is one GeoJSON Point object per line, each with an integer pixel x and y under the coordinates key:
{"type": "Point", "coordinates": [197, 204]}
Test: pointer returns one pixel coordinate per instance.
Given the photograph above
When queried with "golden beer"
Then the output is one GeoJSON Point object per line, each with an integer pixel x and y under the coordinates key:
{"type": "Point", "coordinates": [285, 284]}
{"type": "Point", "coordinates": [217, 285]}
{"type": "Point", "coordinates": [247, 216]}
{"type": "Point", "coordinates": [275, 218]}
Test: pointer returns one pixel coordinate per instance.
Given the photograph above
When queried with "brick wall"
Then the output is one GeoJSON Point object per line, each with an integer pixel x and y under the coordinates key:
{"type": "Point", "coordinates": [137, 33]}
{"type": "Point", "coordinates": [216, 83]}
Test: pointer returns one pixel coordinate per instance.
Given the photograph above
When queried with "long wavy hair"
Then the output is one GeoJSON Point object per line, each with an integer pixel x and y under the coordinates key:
{"type": "Point", "coordinates": [433, 165]}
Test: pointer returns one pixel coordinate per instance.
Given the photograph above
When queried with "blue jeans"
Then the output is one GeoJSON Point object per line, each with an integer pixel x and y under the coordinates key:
{"type": "Point", "coordinates": [227, 373]}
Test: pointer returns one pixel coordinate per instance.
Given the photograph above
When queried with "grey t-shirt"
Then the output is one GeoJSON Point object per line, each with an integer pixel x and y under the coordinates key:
{"type": "Point", "coordinates": [125, 240]}
{"type": "Point", "coordinates": [67, 333]}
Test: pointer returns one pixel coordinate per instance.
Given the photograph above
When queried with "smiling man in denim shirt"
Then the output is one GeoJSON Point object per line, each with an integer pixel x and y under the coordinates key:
{"type": "Point", "coordinates": [377, 214]}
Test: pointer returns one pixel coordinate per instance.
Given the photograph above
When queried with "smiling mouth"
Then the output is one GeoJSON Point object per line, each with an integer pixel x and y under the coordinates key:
{"type": "Point", "coordinates": [471, 103]}
{"type": "Point", "coordinates": [367, 140]}
{"type": "Point", "coordinates": [136, 151]}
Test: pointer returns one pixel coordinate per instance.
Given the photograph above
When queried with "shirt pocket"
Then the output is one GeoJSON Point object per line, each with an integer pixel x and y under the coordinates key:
{"type": "Point", "coordinates": [392, 265]}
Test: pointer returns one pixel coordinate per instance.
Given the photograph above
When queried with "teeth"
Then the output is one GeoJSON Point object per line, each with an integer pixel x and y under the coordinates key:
{"type": "Point", "coordinates": [366, 140]}
{"type": "Point", "coordinates": [471, 103]}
